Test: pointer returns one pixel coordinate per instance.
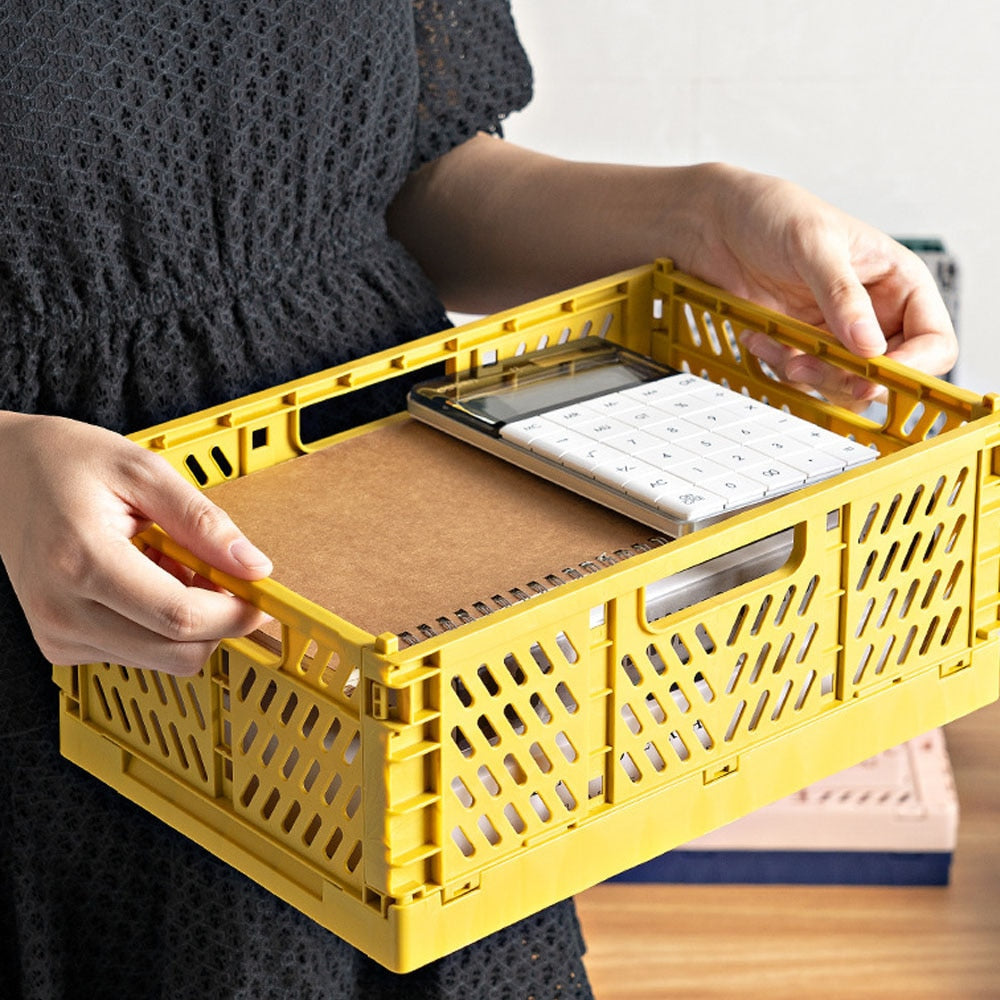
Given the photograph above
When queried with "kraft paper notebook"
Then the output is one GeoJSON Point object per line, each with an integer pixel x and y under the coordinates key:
{"type": "Point", "coordinates": [402, 527]}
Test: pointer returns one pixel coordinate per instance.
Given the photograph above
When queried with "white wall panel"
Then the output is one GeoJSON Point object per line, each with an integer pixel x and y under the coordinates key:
{"type": "Point", "coordinates": [889, 110]}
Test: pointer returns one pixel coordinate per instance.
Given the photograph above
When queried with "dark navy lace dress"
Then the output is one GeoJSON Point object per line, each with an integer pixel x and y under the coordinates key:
{"type": "Point", "coordinates": [192, 199]}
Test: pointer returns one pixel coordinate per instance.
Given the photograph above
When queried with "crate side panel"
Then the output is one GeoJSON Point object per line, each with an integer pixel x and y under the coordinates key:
{"type": "Point", "coordinates": [297, 768]}
{"type": "Point", "coordinates": [909, 562]}
{"type": "Point", "coordinates": [695, 689]}
{"type": "Point", "coordinates": [515, 758]}
{"type": "Point", "coordinates": [169, 721]}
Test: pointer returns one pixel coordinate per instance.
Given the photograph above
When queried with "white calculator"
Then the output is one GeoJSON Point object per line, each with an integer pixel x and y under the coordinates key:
{"type": "Point", "coordinates": [669, 449]}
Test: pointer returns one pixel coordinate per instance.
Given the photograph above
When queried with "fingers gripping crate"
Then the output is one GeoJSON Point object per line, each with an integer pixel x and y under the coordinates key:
{"type": "Point", "coordinates": [415, 798]}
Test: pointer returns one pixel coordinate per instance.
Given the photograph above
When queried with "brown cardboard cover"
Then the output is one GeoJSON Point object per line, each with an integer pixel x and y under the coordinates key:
{"type": "Point", "coordinates": [399, 525]}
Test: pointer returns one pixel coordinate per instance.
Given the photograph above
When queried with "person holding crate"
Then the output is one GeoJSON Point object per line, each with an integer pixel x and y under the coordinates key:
{"type": "Point", "coordinates": [202, 200]}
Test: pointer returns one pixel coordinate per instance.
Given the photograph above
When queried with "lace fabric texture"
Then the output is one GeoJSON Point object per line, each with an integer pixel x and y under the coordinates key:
{"type": "Point", "coordinates": [192, 208]}
{"type": "Point", "coordinates": [194, 192]}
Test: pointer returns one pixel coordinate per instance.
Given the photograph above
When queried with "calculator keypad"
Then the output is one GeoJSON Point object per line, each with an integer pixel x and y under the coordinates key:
{"type": "Point", "coordinates": [689, 447]}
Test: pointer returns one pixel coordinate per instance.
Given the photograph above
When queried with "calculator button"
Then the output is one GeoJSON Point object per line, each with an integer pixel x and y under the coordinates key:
{"type": "Point", "coordinates": [635, 442]}
{"type": "Point", "coordinates": [815, 437]}
{"type": "Point", "coordinates": [676, 497]}
{"type": "Point", "coordinates": [775, 477]}
{"type": "Point", "coordinates": [674, 430]}
{"type": "Point", "coordinates": [779, 446]}
{"type": "Point", "coordinates": [741, 432]}
{"type": "Point", "coordinates": [714, 417]}
{"type": "Point", "coordinates": [570, 416]}
{"type": "Point", "coordinates": [736, 457]}
{"type": "Point", "coordinates": [816, 464]}
{"type": "Point", "coordinates": [611, 404]}
{"type": "Point", "coordinates": [746, 406]}
{"type": "Point", "coordinates": [663, 454]}
{"type": "Point", "coordinates": [737, 490]}
{"type": "Point", "coordinates": [683, 405]}
{"type": "Point", "coordinates": [647, 418]}
{"type": "Point", "coordinates": [657, 484]}
{"type": "Point", "coordinates": [684, 382]}
{"type": "Point", "coordinates": [692, 504]}
{"type": "Point", "coordinates": [777, 421]}
{"type": "Point", "coordinates": [523, 432]}
{"type": "Point", "coordinates": [697, 469]}
{"type": "Point", "coordinates": [647, 392]}
{"type": "Point", "coordinates": [592, 456]}
{"type": "Point", "coordinates": [703, 443]}
{"type": "Point", "coordinates": [623, 470]}
{"type": "Point", "coordinates": [852, 452]}
{"type": "Point", "coordinates": [720, 396]}
{"type": "Point", "coordinates": [559, 443]}
{"type": "Point", "coordinates": [601, 429]}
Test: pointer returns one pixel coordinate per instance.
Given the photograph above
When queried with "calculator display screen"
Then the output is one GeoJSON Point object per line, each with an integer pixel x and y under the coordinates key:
{"type": "Point", "coordinates": [567, 385]}
{"type": "Point", "coordinates": [533, 383]}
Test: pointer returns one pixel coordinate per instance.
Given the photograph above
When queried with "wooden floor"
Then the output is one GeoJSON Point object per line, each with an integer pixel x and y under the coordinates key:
{"type": "Point", "coordinates": [841, 943]}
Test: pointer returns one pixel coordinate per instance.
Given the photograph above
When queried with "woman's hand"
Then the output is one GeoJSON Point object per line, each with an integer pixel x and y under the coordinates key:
{"type": "Point", "coordinates": [72, 498]}
{"type": "Point", "coordinates": [770, 241]}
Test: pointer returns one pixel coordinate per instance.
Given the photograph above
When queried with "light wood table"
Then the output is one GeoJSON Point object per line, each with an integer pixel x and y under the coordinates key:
{"type": "Point", "coordinates": [843, 943]}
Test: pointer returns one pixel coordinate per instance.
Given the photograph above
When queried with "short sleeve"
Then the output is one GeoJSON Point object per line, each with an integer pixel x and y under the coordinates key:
{"type": "Point", "coordinates": [473, 72]}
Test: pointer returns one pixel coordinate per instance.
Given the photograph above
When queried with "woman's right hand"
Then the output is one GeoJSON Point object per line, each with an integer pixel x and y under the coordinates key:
{"type": "Point", "coordinates": [72, 498]}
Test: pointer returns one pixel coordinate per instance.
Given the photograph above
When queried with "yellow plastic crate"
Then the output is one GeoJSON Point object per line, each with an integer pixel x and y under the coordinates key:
{"type": "Point", "coordinates": [414, 799]}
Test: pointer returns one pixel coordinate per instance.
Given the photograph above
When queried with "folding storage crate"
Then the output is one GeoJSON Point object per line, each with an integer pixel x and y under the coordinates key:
{"type": "Point", "coordinates": [414, 798]}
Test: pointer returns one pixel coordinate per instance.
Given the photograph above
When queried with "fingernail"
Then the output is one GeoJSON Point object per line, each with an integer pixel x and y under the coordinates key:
{"type": "Point", "coordinates": [249, 556]}
{"type": "Point", "coordinates": [866, 337]}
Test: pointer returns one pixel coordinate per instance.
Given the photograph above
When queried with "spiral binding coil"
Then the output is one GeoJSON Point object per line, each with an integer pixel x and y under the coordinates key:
{"type": "Point", "coordinates": [482, 608]}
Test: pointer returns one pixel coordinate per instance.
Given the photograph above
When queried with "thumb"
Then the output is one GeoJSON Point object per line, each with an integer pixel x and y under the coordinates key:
{"type": "Point", "coordinates": [844, 302]}
{"type": "Point", "coordinates": [200, 526]}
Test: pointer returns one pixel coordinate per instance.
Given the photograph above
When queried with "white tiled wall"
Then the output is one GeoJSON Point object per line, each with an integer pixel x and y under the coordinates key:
{"type": "Point", "coordinates": [890, 110]}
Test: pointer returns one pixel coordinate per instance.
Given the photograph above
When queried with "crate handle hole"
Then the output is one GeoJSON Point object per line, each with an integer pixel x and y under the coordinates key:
{"type": "Point", "coordinates": [196, 470]}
